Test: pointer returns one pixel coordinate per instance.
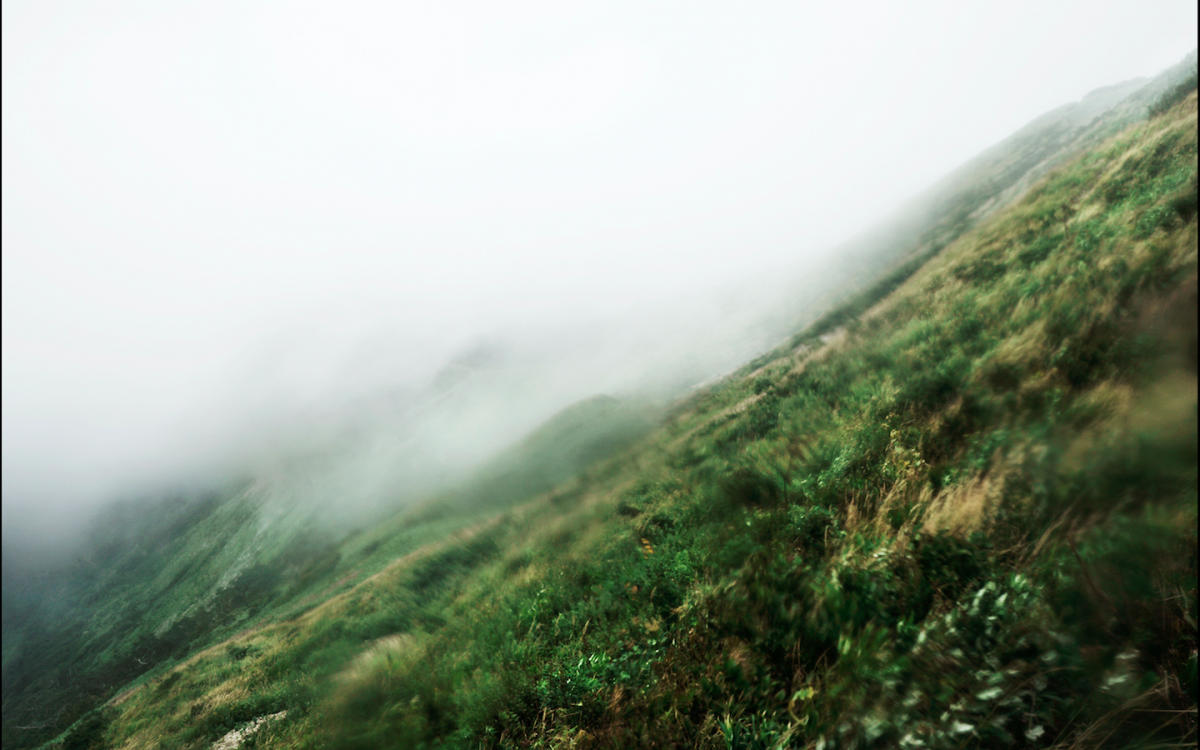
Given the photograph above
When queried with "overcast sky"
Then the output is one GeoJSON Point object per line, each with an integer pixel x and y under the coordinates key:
{"type": "Point", "coordinates": [204, 193]}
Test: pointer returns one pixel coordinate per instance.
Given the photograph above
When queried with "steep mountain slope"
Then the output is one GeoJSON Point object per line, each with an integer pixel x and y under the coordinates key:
{"type": "Point", "coordinates": [764, 568]}
{"type": "Point", "coordinates": [567, 444]}
{"type": "Point", "coordinates": [965, 519]}
{"type": "Point", "coordinates": [995, 178]}
{"type": "Point", "coordinates": [1068, 131]}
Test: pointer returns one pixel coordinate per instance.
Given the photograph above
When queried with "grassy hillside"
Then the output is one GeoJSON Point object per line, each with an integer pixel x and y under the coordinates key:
{"type": "Point", "coordinates": [161, 578]}
{"type": "Point", "coordinates": [963, 515]}
{"type": "Point", "coordinates": [992, 180]}
{"type": "Point", "coordinates": [566, 444]}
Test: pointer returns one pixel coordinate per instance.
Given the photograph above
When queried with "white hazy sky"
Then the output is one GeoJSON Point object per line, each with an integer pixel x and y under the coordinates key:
{"type": "Point", "coordinates": [187, 184]}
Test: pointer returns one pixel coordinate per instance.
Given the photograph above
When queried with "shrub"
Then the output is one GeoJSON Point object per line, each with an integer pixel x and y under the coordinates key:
{"type": "Point", "coordinates": [950, 565]}
{"type": "Point", "coordinates": [1173, 96]}
{"type": "Point", "coordinates": [811, 527]}
{"type": "Point", "coordinates": [89, 732]}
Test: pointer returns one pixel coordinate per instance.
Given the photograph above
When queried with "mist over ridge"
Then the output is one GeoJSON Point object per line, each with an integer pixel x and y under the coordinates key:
{"type": "Point", "coordinates": [598, 375]}
{"type": "Point", "coordinates": [218, 305]}
{"type": "Point", "coordinates": [386, 419]}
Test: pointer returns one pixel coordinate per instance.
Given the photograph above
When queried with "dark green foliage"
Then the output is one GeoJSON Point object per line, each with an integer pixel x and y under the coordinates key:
{"type": "Point", "coordinates": [454, 560]}
{"type": "Point", "coordinates": [1183, 202]}
{"type": "Point", "coordinates": [89, 732]}
{"type": "Point", "coordinates": [1179, 207]}
{"type": "Point", "coordinates": [950, 565]}
{"type": "Point", "coordinates": [1088, 237]}
{"type": "Point", "coordinates": [813, 527]}
{"type": "Point", "coordinates": [308, 561]}
{"type": "Point", "coordinates": [1087, 355]}
{"type": "Point", "coordinates": [166, 683]}
{"type": "Point", "coordinates": [933, 386]}
{"type": "Point", "coordinates": [628, 510]}
{"type": "Point", "coordinates": [237, 653]}
{"type": "Point", "coordinates": [981, 270]}
{"type": "Point", "coordinates": [1176, 94]}
{"type": "Point", "coordinates": [1039, 249]}
{"type": "Point", "coordinates": [229, 716]}
{"type": "Point", "coordinates": [746, 488]}
{"type": "Point", "coordinates": [758, 421]}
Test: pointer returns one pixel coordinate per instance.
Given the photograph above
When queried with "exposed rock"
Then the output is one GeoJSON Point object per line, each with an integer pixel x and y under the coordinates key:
{"type": "Point", "coordinates": [234, 739]}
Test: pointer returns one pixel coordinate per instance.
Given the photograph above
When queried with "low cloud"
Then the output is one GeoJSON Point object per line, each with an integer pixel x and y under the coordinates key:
{"type": "Point", "coordinates": [244, 237]}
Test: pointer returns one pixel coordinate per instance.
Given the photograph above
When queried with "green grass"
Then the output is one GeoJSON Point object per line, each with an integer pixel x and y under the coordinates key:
{"type": "Point", "coordinates": [161, 581]}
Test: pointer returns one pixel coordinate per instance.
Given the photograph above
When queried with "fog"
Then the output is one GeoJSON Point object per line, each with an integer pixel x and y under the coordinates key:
{"type": "Point", "coordinates": [238, 235]}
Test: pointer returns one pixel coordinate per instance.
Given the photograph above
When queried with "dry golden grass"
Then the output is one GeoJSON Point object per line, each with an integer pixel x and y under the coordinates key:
{"type": "Point", "coordinates": [966, 507]}
{"type": "Point", "coordinates": [381, 654]}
